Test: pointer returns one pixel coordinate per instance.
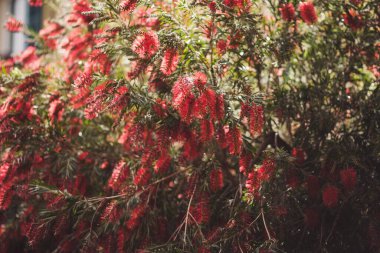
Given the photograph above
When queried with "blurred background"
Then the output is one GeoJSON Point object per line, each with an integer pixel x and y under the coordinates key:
{"type": "Point", "coordinates": [14, 43]}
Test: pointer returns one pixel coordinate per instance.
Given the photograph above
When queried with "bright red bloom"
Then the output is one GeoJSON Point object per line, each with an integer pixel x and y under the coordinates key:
{"type": "Point", "coordinates": [142, 177]}
{"type": "Point", "coordinates": [348, 178]}
{"type": "Point", "coordinates": [201, 210]}
{"type": "Point", "coordinates": [234, 140]}
{"type": "Point", "coordinates": [146, 45]}
{"type": "Point", "coordinates": [128, 6]}
{"type": "Point", "coordinates": [288, 12]}
{"type": "Point", "coordinates": [353, 20]}
{"type": "Point", "coordinates": [36, 3]}
{"type": "Point", "coordinates": [266, 170]}
{"type": "Point", "coordinates": [135, 217]}
{"type": "Point", "coordinates": [13, 25]}
{"type": "Point", "coordinates": [216, 180]}
{"type": "Point", "coordinates": [119, 174]}
{"type": "Point", "coordinates": [170, 61]}
{"type": "Point", "coordinates": [163, 163]}
{"type": "Point", "coordinates": [256, 119]}
{"type": "Point", "coordinates": [330, 196]}
{"type": "Point", "coordinates": [212, 6]}
{"type": "Point", "coordinates": [56, 111]}
{"type": "Point", "coordinates": [207, 130]}
{"type": "Point", "coordinates": [221, 45]}
{"type": "Point", "coordinates": [308, 13]}
{"type": "Point", "coordinates": [245, 160]}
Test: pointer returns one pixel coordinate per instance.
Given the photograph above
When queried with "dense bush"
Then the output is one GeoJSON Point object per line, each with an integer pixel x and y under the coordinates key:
{"type": "Point", "coordinates": [193, 126]}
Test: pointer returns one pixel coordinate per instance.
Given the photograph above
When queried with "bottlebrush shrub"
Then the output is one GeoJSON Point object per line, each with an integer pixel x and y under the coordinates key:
{"type": "Point", "coordinates": [193, 126]}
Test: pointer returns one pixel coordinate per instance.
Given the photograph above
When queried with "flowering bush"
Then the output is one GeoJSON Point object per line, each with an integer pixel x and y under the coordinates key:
{"type": "Point", "coordinates": [193, 126]}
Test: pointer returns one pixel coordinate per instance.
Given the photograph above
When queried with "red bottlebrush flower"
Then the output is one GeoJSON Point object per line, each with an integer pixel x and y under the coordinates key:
{"type": "Point", "coordinates": [5, 168]}
{"type": "Point", "coordinates": [28, 57]}
{"type": "Point", "coordinates": [200, 79]}
{"type": "Point", "coordinates": [245, 160]}
{"type": "Point", "coordinates": [119, 174]}
{"type": "Point", "coordinates": [348, 178]}
{"type": "Point", "coordinates": [256, 119]}
{"type": "Point", "coordinates": [311, 218]}
{"type": "Point", "coordinates": [330, 196]}
{"type": "Point", "coordinates": [353, 20]}
{"type": "Point", "coordinates": [142, 177]}
{"type": "Point", "coordinates": [110, 213]}
{"type": "Point", "coordinates": [146, 45]}
{"type": "Point", "coordinates": [288, 12]}
{"type": "Point", "coordinates": [162, 164]}
{"type": "Point", "coordinates": [207, 130]}
{"type": "Point", "coordinates": [221, 46]}
{"type": "Point", "coordinates": [181, 90]}
{"type": "Point", "coordinates": [121, 239]}
{"type": "Point", "coordinates": [313, 186]}
{"type": "Point", "coordinates": [234, 140]}
{"type": "Point", "coordinates": [6, 194]}
{"type": "Point", "coordinates": [56, 111]}
{"type": "Point", "coordinates": [219, 107]}
{"type": "Point", "coordinates": [13, 25]}
{"type": "Point", "coordinates": [308, 13]}
{"type": "Point", "coordinates": [252, 184]}
{"type": "Point", "coordinates": [266, 170]}
{"type": "Point", "coordinates": [201, 210]}
{"type": "Point", "coordinates": [206, 104]}
{"type": "Point", "coordinates": [128, 6]}
{"type": "Point", "coordinates": [216, 180]}
{"type": "Point", "coordinates": [35, 3]}
{"type": "Point", "coordinates": [212, 6]}
{"type": "Point", "coordinates": [135, 217]}
{"type": "Point", "coordinates": [229, 3]}
{"type": "Point", "coordinates": [170, 62]}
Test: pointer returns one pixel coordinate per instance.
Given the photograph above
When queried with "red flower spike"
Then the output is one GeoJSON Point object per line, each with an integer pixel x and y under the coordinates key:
{"type": "Point", "coordinates": [330, 196]}
{"type": "Point", "coordinates": [288, 12]}
{"type": "Point", "coordinates": [207, 130]}
{"type": "Point", "coordinates": [119, 174]}
{"type": "Point", "coordinates": [6, 194]}
{"type": "Point", "coordinates": [170, 62]}
{"type": "Point", "coordinates": [162, 164]}
{"type": "Point", "coordinates": [142, 177]}
{"type": "Point", "coordinates": [110, 213]}
{"type": "Point", "coordinates": [13, 25]}
{"type": "Point", "coordinates": [212, 6]}
{"type": "Point", "coordinates": [234, 140]}
{"type": "Point", "coordinates": [128, 6]}
{"type": "Point", "coordinates": [348, 178]}
{"type": "Point", "coordinates": [245, 160]}
{"type": "Point", "coordinates": [216, 180]}
{"type": "Point", "coordinates": [146, 45]}
{"type": "Point", "coordinates": [308, 13]}
{"type": "Point", "coordinates": [56, 111]}
{"type": "Point", "coordinates": [200, 80]}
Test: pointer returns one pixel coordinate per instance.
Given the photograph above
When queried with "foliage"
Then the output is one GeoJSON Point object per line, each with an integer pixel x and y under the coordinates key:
{"type": "Point", "coordinates": [193, 126]}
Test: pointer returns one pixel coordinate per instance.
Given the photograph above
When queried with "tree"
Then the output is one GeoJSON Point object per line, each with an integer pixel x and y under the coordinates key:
{"type": "Point", "coordinates": [193, 126]}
